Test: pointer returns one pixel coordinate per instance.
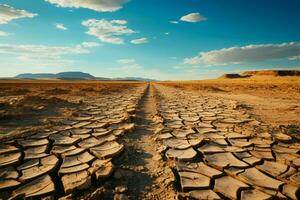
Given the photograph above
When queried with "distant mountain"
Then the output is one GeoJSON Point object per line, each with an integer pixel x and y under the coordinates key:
{"type": "Point", "coordinates": [62, 75]}
{"type": "Point", "coordinates": [75, 76]}
{"type": "Point", "coordinates": [36, 76]}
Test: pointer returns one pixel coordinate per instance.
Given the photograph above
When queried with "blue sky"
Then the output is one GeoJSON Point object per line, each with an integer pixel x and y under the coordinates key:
{"type": "Point", "coordinates": [169, 39]}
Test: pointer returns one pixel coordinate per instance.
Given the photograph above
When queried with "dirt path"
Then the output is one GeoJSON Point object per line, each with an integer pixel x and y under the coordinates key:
{"type": "Point", "coordinates": [149, 177]}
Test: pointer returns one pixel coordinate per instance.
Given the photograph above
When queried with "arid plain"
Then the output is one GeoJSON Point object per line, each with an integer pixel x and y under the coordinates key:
{"type": "Point", "coordinates": [213, 139]}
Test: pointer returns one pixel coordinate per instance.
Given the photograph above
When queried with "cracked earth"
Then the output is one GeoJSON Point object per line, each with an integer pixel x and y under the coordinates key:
{"type": "Point", "coordinates": [152, 142]}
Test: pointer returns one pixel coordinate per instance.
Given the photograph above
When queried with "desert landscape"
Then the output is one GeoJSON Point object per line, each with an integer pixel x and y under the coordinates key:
{"type": "Point", "coordinates": [226, 138]}
{"type": "Point", "coordinates": [149, 100]}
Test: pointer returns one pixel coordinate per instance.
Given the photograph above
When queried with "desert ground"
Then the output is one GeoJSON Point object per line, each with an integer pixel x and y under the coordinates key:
{"type": "Point", "coordinates": [213, 139]}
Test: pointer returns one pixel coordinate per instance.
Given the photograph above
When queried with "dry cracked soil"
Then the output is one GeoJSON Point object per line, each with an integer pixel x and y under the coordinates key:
{"type": "Point", "coordinates": [141, 141]}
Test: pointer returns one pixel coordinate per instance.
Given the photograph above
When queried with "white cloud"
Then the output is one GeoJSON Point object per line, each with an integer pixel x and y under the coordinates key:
{"type": "Point", "coordinates": [40, 49]}
{"type": "Point", "coordinates": [97, 5]}
{"type": "Point", "coordinates": [44, 60]}
{"type": "Point", "coordinates": [3, 34]}
{"type": "Point", "coordinates": [8, 13]}
{"type": "Point", "coordinates": [174, 22]}
{"type": "Point", "coordinates": [129, 65]}
{"type": "Point", "coordinates": [127, 61]}
{"type": "Point", "coordinates": [118, 21]}
{"type": "Point", "coordinates": [90, 44]}
{"type": "Point", "coordinates": [193, 17]}
{"type": "Point", "coordinates": [246, 54]}
{"type": "Point", "coordinates": [108, 31]}
{"type": "Point", "coordinates": [61, 26]}
{"type": "Point", "coordinates": [41, 54]}
{"type": "Point", "coordinates": [140, 41]}
{"type": "Point", "coordinates": [295, 57]}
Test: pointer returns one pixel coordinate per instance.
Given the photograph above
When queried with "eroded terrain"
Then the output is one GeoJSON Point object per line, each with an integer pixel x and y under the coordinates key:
{"type": "Point", "coordinates": [148, 141]}
{"type": "Point", "coordinates": [222, 152]}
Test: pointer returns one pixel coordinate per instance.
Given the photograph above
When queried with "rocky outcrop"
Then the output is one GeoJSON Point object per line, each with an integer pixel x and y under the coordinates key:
{"type": "Point", "coordinates": [272, 73]}
{"type": "Point", "coordinates": [269, 73]}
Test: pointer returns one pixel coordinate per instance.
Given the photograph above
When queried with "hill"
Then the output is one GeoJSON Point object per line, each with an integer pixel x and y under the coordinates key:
{"type": "Point", "coordinates": [62, 75]}
{"type": "Point", "coordinates": [272, 73]}
{"type": "Point", "coordinates": [35, 76]}
{"type": "Point", "coordinates": [232, 76]}
{"type": "Point", "coordinates": [260, 73]}
{"type": "Point", "coordinates": [75, 76]}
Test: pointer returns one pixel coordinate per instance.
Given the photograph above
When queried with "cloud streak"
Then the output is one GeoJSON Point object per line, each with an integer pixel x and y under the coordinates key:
{"type": "Point", "coordinates": [127, 61]}
{"type": "Point", "coordinates": [193, 18]}
{"type": "Point", "coordinates": [90, 44]}
{"type": "Point", "coordinates": [4, 34]}
{"type": "Point", "coordinates": [61, 27]}
{"type": "Point", "coordinates": [140, 41]}
{"type": "Point", "coordinates": [41, 54]}
{"type": "Point", "coordinates": [8, 13]}
{"type": "Point", "coordinates": [97, 5]}
{"type": "Point", "coordinates": [129, 65]}
{"type": "Point", "coordinates": [108, 31]}
{"type": "Point", "coordinates": [246, 54]}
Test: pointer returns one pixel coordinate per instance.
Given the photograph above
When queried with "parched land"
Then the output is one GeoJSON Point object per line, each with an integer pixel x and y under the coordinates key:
{"type": "Point", "coordinates": [274, 100]}
{"type": "Point", "coordinates": [217, 139]}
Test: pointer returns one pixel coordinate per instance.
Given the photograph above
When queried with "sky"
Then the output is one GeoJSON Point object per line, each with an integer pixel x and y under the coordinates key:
{"type": "Point", "coordinates": [159, 39]}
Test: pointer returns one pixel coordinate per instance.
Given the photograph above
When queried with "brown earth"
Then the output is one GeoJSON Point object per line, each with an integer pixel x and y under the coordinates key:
{"type": "Point", "coordinates": [213, 139]}
{"type": "Point", "coordinates": [27, 104]}
{"type": "Point", "coordinates": [272, 100]}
